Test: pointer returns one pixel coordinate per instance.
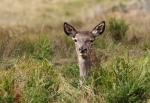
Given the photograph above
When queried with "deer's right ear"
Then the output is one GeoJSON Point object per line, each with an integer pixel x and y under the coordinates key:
{"type": "Point", "coordinates": [69, 30]}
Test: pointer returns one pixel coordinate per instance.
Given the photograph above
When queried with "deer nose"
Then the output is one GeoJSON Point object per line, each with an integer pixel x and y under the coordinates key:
{"type": "Point", "coordinates": [82, 50]}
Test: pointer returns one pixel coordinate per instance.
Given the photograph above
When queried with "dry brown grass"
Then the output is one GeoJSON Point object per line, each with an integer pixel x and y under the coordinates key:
{"type": "Point", "coordinates": [25, 21]}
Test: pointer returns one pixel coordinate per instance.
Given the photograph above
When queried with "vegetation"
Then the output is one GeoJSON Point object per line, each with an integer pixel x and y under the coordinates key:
{"type": "Point", "coordinates": [38, 62]}
{"type": "Point", "coordinates": [118, 29]}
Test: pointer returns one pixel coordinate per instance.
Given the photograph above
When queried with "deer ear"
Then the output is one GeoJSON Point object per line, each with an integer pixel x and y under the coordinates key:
{"type": "Point", "coordinates": [69, 30]}
{"type": "Point", "coordinates": [99, 29]}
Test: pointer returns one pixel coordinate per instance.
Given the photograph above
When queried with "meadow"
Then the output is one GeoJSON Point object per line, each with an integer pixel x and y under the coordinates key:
{"type": "Point", "coordinates": [38, 62]}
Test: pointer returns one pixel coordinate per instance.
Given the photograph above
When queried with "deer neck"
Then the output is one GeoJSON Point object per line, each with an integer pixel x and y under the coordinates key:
{"type": "Point", "coordinates": [84, 65]}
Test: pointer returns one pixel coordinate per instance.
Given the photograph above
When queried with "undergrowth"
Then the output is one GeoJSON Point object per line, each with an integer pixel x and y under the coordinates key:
{"type": "Point", "coordinates": [122, 81]}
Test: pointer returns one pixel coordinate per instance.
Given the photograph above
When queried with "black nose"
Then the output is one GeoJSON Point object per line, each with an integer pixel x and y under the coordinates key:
{"type": "Point", "coordinates": [82, 50]}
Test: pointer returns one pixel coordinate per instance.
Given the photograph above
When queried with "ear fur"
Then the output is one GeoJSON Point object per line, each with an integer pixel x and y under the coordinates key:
{"type": "Point", "coordinates": [99, 29]}
{"type": "Point", "coordinates": [69, 30]}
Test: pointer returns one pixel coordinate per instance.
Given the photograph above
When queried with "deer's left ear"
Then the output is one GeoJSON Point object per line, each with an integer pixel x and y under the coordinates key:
{"type": "Point", "coordinates": [99, 29]}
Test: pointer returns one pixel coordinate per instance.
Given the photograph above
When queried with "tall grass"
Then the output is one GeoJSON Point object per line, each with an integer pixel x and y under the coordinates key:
{"type": "Point", "coordinates": [129, 82]}
{"type": "Point", "coordinates": [42, 85]}
{"type": "Point", "coordinates": [29, 74]}
{"type": "Point", "coordinates": [123, 80]}
{"type": "Point", "coordinates": [43, 49]}
{"type": "Point", "coordinates": [7, 84]}
{"type": "Point", "coordinates": [118, 29]}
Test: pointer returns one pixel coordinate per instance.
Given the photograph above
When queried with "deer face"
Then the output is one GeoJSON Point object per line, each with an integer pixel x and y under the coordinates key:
{"type": "Point", "coordinates": [84, 39]}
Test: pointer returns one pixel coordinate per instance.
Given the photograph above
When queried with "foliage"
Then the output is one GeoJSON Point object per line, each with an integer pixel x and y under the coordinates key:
{"type": "Point", "coordinates": [7, 88]}
{"type": "Point", "coordinates": [118, 29]}
{"type": "Point", "coordinates": [43, 49]}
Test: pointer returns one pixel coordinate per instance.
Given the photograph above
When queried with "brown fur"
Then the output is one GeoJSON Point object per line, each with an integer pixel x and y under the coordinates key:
{"type": "Point", "coordinates": [83, 41]}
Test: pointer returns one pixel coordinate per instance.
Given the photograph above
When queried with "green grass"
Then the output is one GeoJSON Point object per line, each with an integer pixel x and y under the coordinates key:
{"type": "Point", "coordinates": [122, 80]}
{"type": "Point", "coordinates": [42, 85]}
{"type": "Point", "coordinates": [32, 76]}
{"type": "Point", "coordinates": [118, 29]}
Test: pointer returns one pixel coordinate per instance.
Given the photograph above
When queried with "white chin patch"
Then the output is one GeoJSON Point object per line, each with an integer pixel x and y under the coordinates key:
{"type": "Point", "coordinates": [83, 54]}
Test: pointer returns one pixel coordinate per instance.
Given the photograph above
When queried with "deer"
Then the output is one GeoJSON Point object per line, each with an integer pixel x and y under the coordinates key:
{"type": "Point", "coordinates": [83, 42]}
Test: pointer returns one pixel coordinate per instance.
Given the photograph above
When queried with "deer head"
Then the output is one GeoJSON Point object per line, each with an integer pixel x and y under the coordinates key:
{"type": "Point", "coordinates": [84, 39]}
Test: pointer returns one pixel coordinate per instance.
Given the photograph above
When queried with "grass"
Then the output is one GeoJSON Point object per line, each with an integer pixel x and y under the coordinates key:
{"type": "Point", "coordinates": [118, 29]}
{"type": "Point", "coordinates": [124, 79]}
{"type": "Point", "coordinates": [128, 85]}
{"type": "Point", "coordinates": [38, 63]}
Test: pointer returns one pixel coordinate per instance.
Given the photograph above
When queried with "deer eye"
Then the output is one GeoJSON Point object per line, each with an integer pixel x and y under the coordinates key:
{"type": "Point", "coordinates": [91, 41]}
{"type": "Point", "coordinates": [75, 40]}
